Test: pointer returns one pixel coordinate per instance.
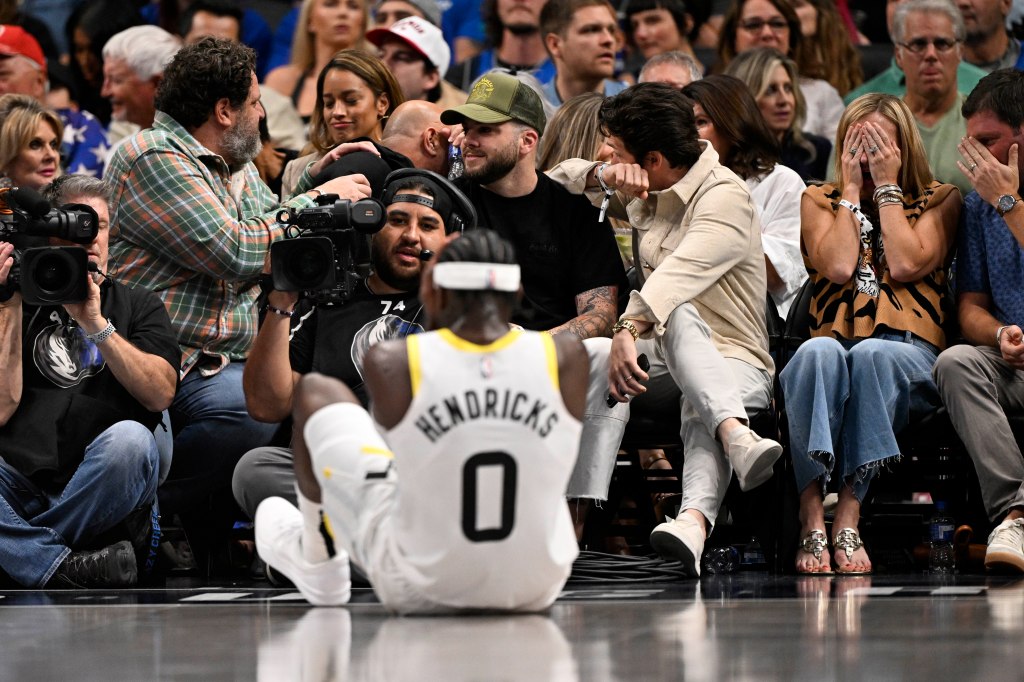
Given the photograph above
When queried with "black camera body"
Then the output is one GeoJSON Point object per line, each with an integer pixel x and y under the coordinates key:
{"type": "Point", "coordinates": [327, 251]}
{"type": "Point", "coordinates": [47, 275]}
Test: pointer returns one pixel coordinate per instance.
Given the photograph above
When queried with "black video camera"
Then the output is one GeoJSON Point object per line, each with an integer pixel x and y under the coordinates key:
{"type": "Point", "coordinates": [47, 275]}
{"type": "Point", "coordinates": [327, 251]}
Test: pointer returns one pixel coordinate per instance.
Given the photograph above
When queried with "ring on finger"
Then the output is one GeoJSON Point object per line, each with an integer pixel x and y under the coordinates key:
{"type": "Point", "coordinates": [972, 167]}
{"type": "Point", "coordinates": [853, 151]}
{"type": "Point", "coordinates": [873, 149]}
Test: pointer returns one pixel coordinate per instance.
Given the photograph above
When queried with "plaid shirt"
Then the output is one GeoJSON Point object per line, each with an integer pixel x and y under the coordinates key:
{"type": "Point", "coordinates": [196, 235]}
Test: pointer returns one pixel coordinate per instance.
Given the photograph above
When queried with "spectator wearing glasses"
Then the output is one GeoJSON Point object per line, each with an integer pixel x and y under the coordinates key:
{"type": "Point", "coordinates": [774, 23]}
{"type": "Point", "coordinates": [892, 81]}
{"type": "Point", "coordinates": [416, 53]}
{"type": "Point", "coordinates": [929, 36]}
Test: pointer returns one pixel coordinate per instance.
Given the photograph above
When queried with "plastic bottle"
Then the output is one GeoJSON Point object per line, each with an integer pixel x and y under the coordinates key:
{"type": "Point", "coordinates": [941, 558]}
{"type": "Point", "coordinates": [456, 167]}
{"type": "Point", "coordinates": [721, 560]}
{"type": "Point", "coordinates": [752, 558]}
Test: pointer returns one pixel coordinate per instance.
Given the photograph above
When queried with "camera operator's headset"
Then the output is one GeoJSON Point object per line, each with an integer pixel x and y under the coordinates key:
{"type": "Point", "coordinates": [450, 203]}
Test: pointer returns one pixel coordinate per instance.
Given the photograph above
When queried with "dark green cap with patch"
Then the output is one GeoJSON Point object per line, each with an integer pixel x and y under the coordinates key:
{"type": "Point", "coordinates": [500, 97]}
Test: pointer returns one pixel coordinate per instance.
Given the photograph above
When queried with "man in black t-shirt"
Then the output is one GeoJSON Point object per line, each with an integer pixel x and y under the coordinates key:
{"type": "Point", "coordinates": [571, 268]}
{"type": "Point", "coordinates": [82, 386]}
{"type": "Point", "coordinates": [422, 207]}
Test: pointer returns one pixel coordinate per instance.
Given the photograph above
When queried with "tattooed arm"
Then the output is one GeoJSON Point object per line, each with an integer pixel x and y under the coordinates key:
{"type": "Point", "coordinates": [596, 312]}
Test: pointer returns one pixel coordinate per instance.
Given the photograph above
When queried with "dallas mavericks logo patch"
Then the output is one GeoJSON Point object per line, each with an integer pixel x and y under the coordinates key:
{"type": "Point", "coordinates": [63, 355]}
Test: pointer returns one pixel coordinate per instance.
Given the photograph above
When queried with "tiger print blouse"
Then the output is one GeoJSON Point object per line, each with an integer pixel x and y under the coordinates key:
{"type": "Point", "coordinates": [871, 300]}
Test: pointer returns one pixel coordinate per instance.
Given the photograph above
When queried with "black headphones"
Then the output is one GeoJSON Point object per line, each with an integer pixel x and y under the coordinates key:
{"type": "Point", "coordinates": [451, 204]}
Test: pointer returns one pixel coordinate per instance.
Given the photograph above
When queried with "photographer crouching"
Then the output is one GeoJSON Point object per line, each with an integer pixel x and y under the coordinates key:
{"type": "Point", "coordinates": [86, 367]}
{"type": "Point", "coordinates": [420, 208]}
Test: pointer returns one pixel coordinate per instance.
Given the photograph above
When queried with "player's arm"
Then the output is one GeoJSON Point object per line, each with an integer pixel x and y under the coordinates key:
{"type": "Point", "coordinates": [573, 373]}
{"type": "Point", "coordinates": [596, 311]}
{"type": "Point", "coordinates": [386, 374]}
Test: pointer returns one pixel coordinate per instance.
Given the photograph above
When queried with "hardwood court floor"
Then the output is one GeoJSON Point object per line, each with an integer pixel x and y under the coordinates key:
{"type": "Point", "coordinates": [745, 626]}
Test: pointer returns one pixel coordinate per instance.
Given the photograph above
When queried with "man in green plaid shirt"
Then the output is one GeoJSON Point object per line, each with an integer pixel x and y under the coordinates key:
{"type": "Point", "coordinates": [195, 225]}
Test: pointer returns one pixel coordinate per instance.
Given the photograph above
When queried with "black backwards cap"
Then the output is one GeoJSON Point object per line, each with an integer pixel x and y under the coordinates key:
{"type": "Point", "coordinates": [450, 203]}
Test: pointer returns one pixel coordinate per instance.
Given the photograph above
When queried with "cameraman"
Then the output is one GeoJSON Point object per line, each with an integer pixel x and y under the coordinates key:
{"type": "Point", "coordinates": [421, 208]}
{"type": "Point", "coordinates": [82, 386]}
{"type": "Point", "coordinates": [195, 224]}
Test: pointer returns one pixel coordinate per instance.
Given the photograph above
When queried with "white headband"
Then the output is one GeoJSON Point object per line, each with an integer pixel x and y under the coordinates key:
{"type": "Point", "coordinates": [477, 276]}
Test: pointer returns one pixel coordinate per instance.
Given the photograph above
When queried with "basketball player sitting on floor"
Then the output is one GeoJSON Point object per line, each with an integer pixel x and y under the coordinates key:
{"type": "Point", "coordinates": [451, 496]}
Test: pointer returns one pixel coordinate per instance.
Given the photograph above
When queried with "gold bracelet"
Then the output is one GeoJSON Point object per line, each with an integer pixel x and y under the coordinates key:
{"type": "Point", "coordinates": [628, 326]}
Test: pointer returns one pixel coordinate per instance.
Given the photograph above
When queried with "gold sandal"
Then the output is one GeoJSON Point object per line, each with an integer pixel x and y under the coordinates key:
{"type": "Point", "coordinates": [814, 543]}
{"type": "Point", "coordinates": [848, 540]}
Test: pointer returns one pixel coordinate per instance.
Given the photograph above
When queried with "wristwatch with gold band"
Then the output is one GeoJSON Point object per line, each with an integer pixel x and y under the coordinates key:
{"type": "Point", "coordinates": [628, 326]}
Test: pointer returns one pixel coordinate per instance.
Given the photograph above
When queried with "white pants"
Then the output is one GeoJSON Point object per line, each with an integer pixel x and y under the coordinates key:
{"type": "Point", "coordinates": [685, 366]}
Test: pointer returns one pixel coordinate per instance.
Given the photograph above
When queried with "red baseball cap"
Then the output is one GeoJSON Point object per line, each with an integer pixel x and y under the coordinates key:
{"type": "Point", "coordinates": [15, 41]}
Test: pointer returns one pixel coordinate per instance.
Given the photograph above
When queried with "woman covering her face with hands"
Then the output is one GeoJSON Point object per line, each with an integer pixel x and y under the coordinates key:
{"type": "Point", "coordinates": [877, 245]}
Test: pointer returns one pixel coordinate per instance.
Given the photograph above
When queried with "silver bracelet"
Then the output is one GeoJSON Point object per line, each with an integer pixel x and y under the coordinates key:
{"type": "Point", "coordinates": [102, 335]}
{"type": "Point", "coordinates": [887, 189]}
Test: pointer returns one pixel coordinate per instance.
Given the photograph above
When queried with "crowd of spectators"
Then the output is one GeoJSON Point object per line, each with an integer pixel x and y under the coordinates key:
{"type": "Point", "coordinates": [727, 154]}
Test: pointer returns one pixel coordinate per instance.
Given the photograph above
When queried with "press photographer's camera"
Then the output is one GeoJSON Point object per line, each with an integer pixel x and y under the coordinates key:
{"type": "Point", "coordinates": [47, 275]}
{"type": "Point", "coordinates": [327, 251]}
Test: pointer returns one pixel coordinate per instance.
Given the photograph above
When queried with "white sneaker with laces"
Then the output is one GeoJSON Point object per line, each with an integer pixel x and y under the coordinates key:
{"type": "Point", "coordinates": [681, 539]}
{"type": "Point", "coordinates": [278, 542]}
{"type": "Point", "coordinates": [752, 458]}
{"type": "Point", "coordinates": [1006, 547]}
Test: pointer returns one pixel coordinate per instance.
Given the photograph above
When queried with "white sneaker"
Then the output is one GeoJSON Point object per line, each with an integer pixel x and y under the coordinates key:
{"type": "Point", "coordinates": [752, 458]}
{"type": "Point", "coordinates": [1006, 547]}
{"type": "Point", "coordinates": [681, 540]}
{"type": "Point", "coordinates": [278, 542]}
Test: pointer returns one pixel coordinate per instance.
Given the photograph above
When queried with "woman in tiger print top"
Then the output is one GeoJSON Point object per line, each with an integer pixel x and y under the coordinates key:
{"type": "Point", "coordinates": [877, 245]}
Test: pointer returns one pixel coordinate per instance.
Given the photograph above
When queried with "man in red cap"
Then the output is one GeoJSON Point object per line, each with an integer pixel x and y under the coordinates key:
{"type": "Point", "coordinates": [416, 52]}
{"type": "Point", "coordinates": [23, 72]}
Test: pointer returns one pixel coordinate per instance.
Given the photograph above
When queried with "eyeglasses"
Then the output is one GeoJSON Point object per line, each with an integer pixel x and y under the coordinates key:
{"type": "Point", "coordinates": [919, 45]}
{"type": "Point", "coordinates": [776, 25]}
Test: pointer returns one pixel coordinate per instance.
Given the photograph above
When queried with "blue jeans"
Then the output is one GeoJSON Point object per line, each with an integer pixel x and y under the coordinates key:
{"type": "Point", "coordinates": [212, 430]}
{"type": "Point", "coordinates": [38, 529]}
{"type": "Point", "coordinates": [847, 400]}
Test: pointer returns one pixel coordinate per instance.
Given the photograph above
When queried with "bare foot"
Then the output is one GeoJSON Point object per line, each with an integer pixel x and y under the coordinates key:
{"type": "Point", "coordinates": [812, 554]}
{"type": "Point", "coordinates": [857, 560]}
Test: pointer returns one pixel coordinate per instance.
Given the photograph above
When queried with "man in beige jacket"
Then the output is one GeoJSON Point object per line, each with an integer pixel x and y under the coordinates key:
{"type": "Point", "coordinates": [699, 316]}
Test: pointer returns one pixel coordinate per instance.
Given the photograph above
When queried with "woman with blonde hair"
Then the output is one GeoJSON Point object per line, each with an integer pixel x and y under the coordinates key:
{"type": "Point", "coordinates": [30, 137]}
{"type": "Point", "coordinates": [773, 81]}
{"type": "Point", "coordinates": [877, 245]}
{"type": "Point", "coordinates": [324, 27]}
{"type": "Point", "coordinates": [574, 132]}
{"type": "Point", "coordinates": [356, 93]}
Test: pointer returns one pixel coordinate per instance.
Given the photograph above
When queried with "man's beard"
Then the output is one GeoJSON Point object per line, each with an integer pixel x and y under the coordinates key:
{"type": "Point", "coordinates": [497, 166]}
{"type": "Point", "coordinates": [240, 145]}
{"type": "Point", "coordinates": [522, 30]}
{"type": "Point", "coordinates": [383, 269]}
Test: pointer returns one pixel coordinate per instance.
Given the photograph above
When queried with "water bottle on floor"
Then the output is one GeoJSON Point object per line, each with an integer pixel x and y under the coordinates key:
{"type": "Point", "coordinates": [941, 559]}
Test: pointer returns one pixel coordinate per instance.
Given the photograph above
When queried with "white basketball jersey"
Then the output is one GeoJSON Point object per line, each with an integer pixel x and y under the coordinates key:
{"type": "Point", "coordinates": [483, 457]}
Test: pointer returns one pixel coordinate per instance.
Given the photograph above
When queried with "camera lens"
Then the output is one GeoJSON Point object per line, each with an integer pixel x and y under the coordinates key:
{"type": "Point", "coordinates": [52, 273]}
{"type": "Point", "coordinates": [308, 266]}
